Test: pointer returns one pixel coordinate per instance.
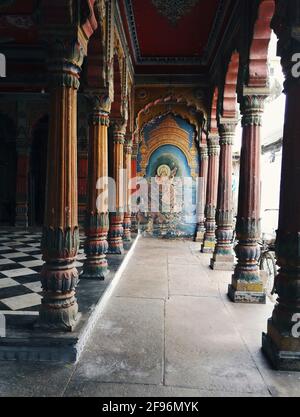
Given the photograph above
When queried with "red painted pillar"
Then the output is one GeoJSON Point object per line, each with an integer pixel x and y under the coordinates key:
{"type": "Point", "coordinates": [134, 223]}
{"type": "Point", "coordinates": [281, 344]}
{"type": "Point", "coordinates": [223, 258]}
{"type": "Point", "coordinates": [60, 241]}
{"type": "Point", "coordinates": [82, 158]}
{"type": "Point", "coordinates": [127, 166]}
{"type": "Point", "coordinates": [202, 185]}
{"type": "Point", "coordinates": [247, 286]}
{"type": "Point", "coordinates": [212, 194]}
{"type": "Point", "coordinates": [97, 219]}
{"type": "Point", "coordinates": [116, 218]}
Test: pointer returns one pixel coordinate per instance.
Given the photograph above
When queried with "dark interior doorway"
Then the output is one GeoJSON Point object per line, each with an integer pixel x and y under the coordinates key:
{"type": "Point", "coordinates": [8, 164]}
{"type": "Point", "coordinates": [37, 175]}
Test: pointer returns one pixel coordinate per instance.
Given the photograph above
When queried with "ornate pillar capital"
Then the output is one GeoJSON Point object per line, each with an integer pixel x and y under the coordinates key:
{"type": "Point", "coordinates": [227, 129]}
{"type": "Point", "coordinates": [203, 152]}
{"type": "Point", "coordinates": [100, 109]}
{"type": "Point", "coordinates": [213, 145]}
{"type": "Point", "coordinates": [119, 125]}
{"type": "Point", "coordinates": [119, 130]}
{"type": "Point", "coordinates": [252, 105]}
{"type": "Point", "coordinates": [64, 63]}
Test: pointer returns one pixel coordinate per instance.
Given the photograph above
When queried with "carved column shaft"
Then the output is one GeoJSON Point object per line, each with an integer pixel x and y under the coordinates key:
{"type": "Point", "coordinates": [82, 162]}
{"type": "Point", "coordinates": [60, 239]}
{"type": "Point", "coordinates": [127, 166]}
{"type": "Point", "coordinates": [246, 282]}
{"type": "Point", "coordinates": [115, 236]}
{"type": "Point", "coordinates": [211, 194]}
{"type": "Point", "coordinates": [97, 219]}
{"type": "Point", "coordinates": [282, 343]}
{"type": "Point", "coordinates": [223, 254]}
{"type": "Point", "coordinates": [202, 185]}
{"type": "Point", "coordinates": [134, 223]}
{"type": "Point", "coordinates": [82, 185]}
{"type": "Point", "coordinates": [22, 186]}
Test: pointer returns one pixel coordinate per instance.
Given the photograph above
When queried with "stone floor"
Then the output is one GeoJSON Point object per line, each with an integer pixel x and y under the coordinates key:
{"type": "Point", "coordinates": [20, 264]}
{"type": "Point", "coordinates": [168, 330]}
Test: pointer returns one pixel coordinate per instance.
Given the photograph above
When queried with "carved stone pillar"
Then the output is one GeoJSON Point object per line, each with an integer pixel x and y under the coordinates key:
{"type": "Point", "coordinates": [247, 286]}
{"type": "Point", "coordinates": [223, 257]}
{"type": "Point", "coordinates": [202, 184]}
{"type": "Point", "coordinates": [60, 241]}
{"type": "Point", "coordinates": [281, 344]}
{"type": "Point", "coordinates": [116, 218]}
{"type": "Point", "coordinates": [134, 223]}
{"type": "Point", "coordinates": [127, 166]}
{"type": "Point", "coordinates": [97, 219]}
{"type": "Point", "coordinates": [82, 160]}
{"type": "Point", "coordinates": [211, 194]}
{"type": "Point", "coordinates": [82, 185]}
{"type": "Point", "coordinates": [22, 185]}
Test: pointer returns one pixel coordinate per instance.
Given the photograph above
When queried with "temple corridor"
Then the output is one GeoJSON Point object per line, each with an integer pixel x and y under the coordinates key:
{"type": "Point", "coordinates": [149, 197]}
{"type": "Point", "coordinates": [168, 329]}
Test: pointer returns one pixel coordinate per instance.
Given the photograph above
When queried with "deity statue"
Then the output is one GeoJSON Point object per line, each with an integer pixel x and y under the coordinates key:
{"type": "Point", "coordinates": [165, 178]}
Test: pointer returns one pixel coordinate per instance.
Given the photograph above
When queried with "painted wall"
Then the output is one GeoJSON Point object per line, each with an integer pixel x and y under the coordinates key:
{"type": "Point", "coordinates": [168, 159]}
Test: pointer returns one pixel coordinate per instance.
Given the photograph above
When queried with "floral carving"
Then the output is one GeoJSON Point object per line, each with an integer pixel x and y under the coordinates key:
{"type": "Point", "coordinates": [174, 10]}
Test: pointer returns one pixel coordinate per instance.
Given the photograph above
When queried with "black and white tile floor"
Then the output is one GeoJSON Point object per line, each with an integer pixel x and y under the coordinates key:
{"type": "Point", "coordinates": [20, 263]}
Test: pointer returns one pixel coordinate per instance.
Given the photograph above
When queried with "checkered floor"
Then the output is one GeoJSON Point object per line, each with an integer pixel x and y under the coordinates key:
{"type": "Point", "coordinates": [20, 263]}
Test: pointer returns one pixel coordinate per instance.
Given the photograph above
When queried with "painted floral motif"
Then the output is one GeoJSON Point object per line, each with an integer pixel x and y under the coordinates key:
{"type": "Point", "coordinates": [174, 10]}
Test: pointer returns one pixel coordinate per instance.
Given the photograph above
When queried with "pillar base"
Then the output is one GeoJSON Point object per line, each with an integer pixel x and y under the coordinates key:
{"type": "Point", "coordinates": [199, 236]}
{"type": "Point", "coordinates": [95, 273]}
{"type": "Point", "coordinates": [116, 251]}
{"type": "Point", "coordinates": [246, 297]}
{"type": "Point", "coordinates": [208, 246]}
{"type": "Point", "coordinates": [281, 360]}
{"type": "Point", "coordinates": [81, 217]}
{"type": "Point", "coordinates": [21, 223]}
{"type": "Point", "coordinates": [222, 262]}
{"type": "Point", "coordinates": [21, 219]}
{"type": "Point", "coordinates": [47, 323]}
{"type": "Point", "coordinates": [115, 234]}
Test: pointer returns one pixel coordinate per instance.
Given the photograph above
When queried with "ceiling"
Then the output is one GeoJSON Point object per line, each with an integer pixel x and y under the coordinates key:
{"type": "Point", "coordinates": [174, 36]}
{"type": "Point", "coordinates": [16, 22]}
{"type": "Point", "coordinates": [166, 38]}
